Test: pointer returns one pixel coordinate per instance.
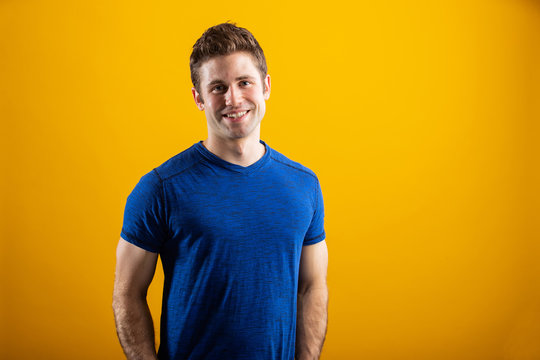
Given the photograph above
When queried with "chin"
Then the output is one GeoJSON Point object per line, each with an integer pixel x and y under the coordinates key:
{"type": "Point", "coordinates": [238, 135]}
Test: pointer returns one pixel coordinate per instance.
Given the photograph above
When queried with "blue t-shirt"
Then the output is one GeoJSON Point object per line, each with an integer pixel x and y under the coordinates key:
{"type": "Point", "coordinates": [230, 239]}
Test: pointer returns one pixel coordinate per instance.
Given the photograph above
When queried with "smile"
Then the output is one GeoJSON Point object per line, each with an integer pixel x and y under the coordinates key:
{"type": "Point", "coordinates": [236, 115]}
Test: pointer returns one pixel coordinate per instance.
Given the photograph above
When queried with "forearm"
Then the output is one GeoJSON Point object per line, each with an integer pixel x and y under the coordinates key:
{"type": "Point", "coordinates": [311, 323]}
{"type": "Point", "coordinates": [134, 327]}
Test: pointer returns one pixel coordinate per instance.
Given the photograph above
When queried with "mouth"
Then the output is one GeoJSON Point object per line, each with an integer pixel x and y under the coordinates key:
{"type": "Point", "coordinates": [236, 116]}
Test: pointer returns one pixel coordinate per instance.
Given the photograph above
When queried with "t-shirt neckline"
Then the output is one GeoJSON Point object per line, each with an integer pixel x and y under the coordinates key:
{"type": "Point", "coordinates": [211, 157]}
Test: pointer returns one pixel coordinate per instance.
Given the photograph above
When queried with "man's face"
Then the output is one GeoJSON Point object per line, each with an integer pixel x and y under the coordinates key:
{"type": "Point", "coordinates": [233, 96]}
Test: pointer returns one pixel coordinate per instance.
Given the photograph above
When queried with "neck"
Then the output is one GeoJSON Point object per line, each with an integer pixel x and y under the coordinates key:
{"type": "Point", "coordinates": [243, 152]}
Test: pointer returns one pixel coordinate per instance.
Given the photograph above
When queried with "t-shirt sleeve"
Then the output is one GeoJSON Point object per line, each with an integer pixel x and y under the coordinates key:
{"type": "Point", "coordinates": [144, 216]}
{"type": "Point", "coordinates": [316, 231]}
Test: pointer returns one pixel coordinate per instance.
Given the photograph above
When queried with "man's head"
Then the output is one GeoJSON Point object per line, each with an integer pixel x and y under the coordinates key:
{"type": "Point", "coordinates": [230, 82]}
{"type": "Point", "coordinates": [224, 39]}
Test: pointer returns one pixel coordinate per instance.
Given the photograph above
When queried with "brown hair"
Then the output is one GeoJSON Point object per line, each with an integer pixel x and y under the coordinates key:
{"type": "Point", "coordinates": [224, 39]}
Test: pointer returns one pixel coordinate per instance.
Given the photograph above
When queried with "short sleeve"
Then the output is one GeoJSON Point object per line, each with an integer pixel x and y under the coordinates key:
{"type": "Point", "coordinates": [316, 231]}
{"type": "Point", "coordinates": [144, 216]}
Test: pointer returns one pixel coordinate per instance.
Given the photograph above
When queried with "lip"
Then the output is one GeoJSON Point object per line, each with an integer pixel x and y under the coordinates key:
{"type": "Point", "coordinates": [234, 120]}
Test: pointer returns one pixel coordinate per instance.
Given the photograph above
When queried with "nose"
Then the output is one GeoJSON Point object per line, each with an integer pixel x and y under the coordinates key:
{"type": "Point", "coordinates": [232, 96]}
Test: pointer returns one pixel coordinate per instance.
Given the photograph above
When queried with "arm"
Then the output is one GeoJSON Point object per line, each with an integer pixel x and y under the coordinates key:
{"type": "Point", "coordinates": [135, 269]}
{"type": "Point", "coordinates": [312, 306]}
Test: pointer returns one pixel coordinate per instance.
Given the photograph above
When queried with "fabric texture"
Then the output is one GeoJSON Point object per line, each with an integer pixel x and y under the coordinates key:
{"type": "Point", "coordinates": [230, 240]}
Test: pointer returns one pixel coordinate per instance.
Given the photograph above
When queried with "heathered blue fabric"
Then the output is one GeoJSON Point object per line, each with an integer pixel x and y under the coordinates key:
{"type": "Point", "coordinates": [230, 239]}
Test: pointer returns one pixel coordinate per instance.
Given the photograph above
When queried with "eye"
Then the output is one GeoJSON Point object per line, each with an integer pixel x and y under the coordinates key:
{"type": "Point", "coordinates": [218, 88]}
{"type": "Point", "coordinates": [245, 82]}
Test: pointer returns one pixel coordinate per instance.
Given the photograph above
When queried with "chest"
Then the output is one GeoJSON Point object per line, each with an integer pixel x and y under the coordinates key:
{"type": "Point", "coordinates": [240, 208]}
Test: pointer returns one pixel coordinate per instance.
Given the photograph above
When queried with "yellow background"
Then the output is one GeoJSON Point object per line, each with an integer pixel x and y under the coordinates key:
{"type": "Point", "coordinates": [421, 119]}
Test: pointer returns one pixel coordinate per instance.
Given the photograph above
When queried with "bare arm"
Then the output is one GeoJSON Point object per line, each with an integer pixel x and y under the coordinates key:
{"type": "Point", "coordinates": [312, 307]}
{"type": "Point", "coordinates": [135, 269]}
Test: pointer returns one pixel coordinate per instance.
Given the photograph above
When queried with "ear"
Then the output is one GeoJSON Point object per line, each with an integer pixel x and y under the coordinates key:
{"type": "Point", "coordinates": [266, 84]}
{"type": "Point", "coordinates": [198, 99]}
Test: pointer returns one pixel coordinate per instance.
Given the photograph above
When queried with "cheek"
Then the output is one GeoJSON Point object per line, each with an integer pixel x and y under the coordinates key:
{"type": "Point", "coordinates": [213, 104]}
{"type": "Point", "coordinates": [257, 97]}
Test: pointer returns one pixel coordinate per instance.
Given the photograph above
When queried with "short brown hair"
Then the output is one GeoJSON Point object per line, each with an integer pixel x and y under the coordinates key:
{"type": "Point", "coordinates": [224, 39]}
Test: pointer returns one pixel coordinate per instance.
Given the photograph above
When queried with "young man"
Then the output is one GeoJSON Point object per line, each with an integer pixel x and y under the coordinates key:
{"type": "Point", "coordinates": [238, 226]}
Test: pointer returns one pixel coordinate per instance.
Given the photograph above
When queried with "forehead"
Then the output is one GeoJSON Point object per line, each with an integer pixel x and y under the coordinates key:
{"type": "Point", "coordinates": [228, 67]}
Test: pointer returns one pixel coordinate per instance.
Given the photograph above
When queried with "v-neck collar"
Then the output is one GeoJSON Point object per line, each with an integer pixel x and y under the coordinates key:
{"type": "Point", "coordinates": [230, 166]}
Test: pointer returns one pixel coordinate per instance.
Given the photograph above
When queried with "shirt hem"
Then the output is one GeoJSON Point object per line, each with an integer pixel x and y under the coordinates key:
{"type": "Point", "coordinates": [315, 240]}
{"type": "Point", "coordinates": [137, 243]}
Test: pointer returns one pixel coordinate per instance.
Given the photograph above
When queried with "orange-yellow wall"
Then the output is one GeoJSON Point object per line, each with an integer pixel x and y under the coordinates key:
{"type": "Point", "coordinates": [420, 118]}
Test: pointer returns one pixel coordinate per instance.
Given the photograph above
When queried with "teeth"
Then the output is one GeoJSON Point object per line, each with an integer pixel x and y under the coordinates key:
{"type": "Point", "coordinates": [236, 115]}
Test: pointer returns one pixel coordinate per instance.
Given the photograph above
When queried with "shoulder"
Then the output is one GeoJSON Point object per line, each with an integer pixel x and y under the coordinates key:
{"type": "Point", "coordinates": [153, 180]}
{"type": "Point", "coordinates": [177, 164]}
{"type": "Point", "coordinates": [291, 166]}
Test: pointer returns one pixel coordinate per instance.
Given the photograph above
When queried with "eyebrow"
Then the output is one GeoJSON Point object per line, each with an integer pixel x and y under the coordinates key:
{"type": "Point", "coordinates": [239, 78]}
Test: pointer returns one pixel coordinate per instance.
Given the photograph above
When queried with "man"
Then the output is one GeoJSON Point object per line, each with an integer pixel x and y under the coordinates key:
{"type": "Point", "coordinates": [238, 226]}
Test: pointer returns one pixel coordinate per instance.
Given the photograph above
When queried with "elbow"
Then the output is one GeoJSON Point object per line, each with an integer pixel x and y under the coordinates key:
{"type": "Point", "coordinates": [122, 297]}
{"type": "Point", "coordinates": [319, 288]}
{"type": "Point", "coordinates": [117, 300]}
